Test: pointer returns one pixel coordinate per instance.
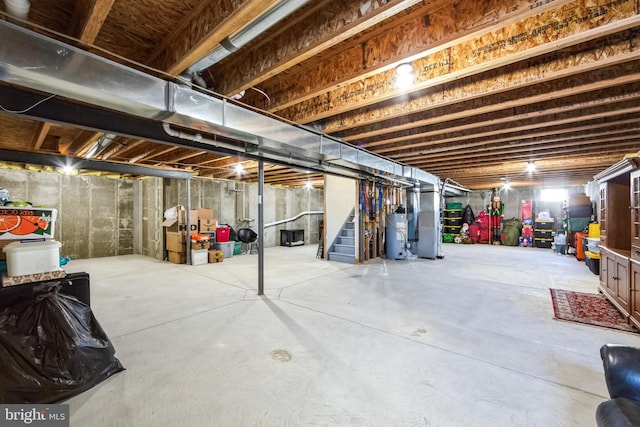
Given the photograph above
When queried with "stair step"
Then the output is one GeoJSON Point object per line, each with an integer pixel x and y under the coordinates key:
{"type": "Point", "coordinates": [344, 249]}
{"type": "Point", "coordinates": [343, 240]}
{"type": "Point", "coordinates": [346, 258]}
{"type": "Point", "coordinates": [349, 226]}
{"type": "Point", "coordinates": [347, 233]}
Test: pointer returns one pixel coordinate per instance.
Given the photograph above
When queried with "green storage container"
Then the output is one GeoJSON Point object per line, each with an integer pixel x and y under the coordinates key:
{"type": "Point", "coordinates": [237, 248]}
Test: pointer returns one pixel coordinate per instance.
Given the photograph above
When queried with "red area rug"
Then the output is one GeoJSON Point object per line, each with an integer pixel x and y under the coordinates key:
{"type": "Point", "coordinates": [591, 309]}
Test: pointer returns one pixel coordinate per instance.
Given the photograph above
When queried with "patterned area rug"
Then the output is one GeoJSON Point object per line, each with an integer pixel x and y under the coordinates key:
{"type": "Point", "coordinates": [591, 309]}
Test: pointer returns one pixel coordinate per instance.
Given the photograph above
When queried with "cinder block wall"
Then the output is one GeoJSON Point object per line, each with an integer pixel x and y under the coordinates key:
{"type": "Point", "coordinates": [100, 216]}
{"type": "Point", "coordinates": [94, 213]}
{"type": "Point", "coordinates": [233, 201]}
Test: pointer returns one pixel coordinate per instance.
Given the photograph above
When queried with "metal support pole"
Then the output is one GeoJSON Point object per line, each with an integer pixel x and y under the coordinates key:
{"type": "Point", "coordinates": [260, 227]}
{"type": "Point", "coordinates": [188, 222]}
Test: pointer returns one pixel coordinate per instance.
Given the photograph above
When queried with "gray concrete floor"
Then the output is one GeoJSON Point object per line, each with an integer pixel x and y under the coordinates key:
{"type": "Point", "coordinates": [468, 340]}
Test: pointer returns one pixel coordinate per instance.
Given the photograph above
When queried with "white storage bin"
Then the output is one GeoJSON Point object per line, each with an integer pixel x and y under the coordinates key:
{"type": "Point", "coordinates": [32, 257]}
{"type": "Point", "coordinates": [199, 256]}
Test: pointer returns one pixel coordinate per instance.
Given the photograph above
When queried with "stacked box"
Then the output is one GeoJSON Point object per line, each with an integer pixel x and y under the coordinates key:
{"type": "Point", "coordinates": [216, 256]}
{"type": "Point", "coordinates": [542, 233]}
{"type": "Point", "coordinates": [592, 260]}
{"type": "Point", "coordinates": [206, 221]}
{"type": "Point", "coordinates": [199, 257]}
{"type": "Point", "coordinates": [200, 221]}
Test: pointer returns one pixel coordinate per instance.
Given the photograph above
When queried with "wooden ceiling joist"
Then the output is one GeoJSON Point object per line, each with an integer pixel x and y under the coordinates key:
{"type": "Point", "coordinates": [509, 45]}
{"type": "Point", "coordinates": [89, 16]}
{"type": "Point", "coordinates": [328, 24]}
{"type": "Point", "coordinates": [39, 135]}
{"type": "Point", "coordinates": [203, 29]}
{"type": "Point", "coordinates": [517, 109]}
{"type": "Point", "coordinates": [435, 25]}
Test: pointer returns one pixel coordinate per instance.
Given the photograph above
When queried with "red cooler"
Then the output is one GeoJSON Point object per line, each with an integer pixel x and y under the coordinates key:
{"type": "Point", "coordinates": [222, 234]}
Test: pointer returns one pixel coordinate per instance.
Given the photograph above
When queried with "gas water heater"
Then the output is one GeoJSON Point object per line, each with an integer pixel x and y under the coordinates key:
{"type": "Point", "coordinates": [396, 236]}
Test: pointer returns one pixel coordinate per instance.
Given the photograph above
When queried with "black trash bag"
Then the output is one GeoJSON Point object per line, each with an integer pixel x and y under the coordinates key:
{"type": "Point", "coordinates": [468, 216]}
{"type": "Point", "coordinates": [51, 348]}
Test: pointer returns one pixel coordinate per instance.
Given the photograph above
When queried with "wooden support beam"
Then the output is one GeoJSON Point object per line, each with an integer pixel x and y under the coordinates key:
{"type": "Point", "coordinates": [529, 147]}
{"type": "Point", "coordinates": [39, 134]}
{"type": "Point", "coordinates": [528, 127]}
{"type": "Point", "coordinates": [203, 29]}
{"type": "Point", "coordinates": [321, 28]}
{"type": "Point", "coordinates": [548, 32]}
{"type": "Point", "coordinates": [435, 25]}
{"type": "Point", "coordinates": [519, 103]}
{"type": "Point", "coordinates": [80, 143]}
{"type": "Point", "coordinates": [174, 158]}
{"type": "Point", "coordinates": [620, 145]}
{"type": "Point", "coordinates": [511, 119]}
{"type": "Point", "coordinates": [120, 150]}
{"type": "Point", "coordinates": [88, 18]}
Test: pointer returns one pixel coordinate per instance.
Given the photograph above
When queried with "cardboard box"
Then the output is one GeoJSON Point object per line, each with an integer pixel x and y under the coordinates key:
{"type": "Point", "coordinates": [199, 245]}
{"type": "Point", "coordinates": [175, 241]}
{"type": "Point", "coordinates": [30, 278]}
{"type": "Point", "coordinates": [176, 219]}
{"type": "Point", "coordinates": [27, 223]}
{"type": "Point", "coordinates": [178, 257]}
{"type": "Point", "coordinates": [199, 257]}
{"type": "Point", "coordinates": [205, 214]}
{"type": "Point", "coordinates": [216, 256]}
{"type": "Point", "coordinates": [207, 225]}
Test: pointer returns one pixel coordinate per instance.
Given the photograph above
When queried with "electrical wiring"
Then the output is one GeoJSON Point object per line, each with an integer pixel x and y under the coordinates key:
{"type": "Point", "coordinates": [26, 109]}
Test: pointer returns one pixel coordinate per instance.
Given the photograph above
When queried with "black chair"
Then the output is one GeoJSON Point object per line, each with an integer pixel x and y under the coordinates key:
{"type": "Point", "coordinates": [249, 237]}
{"type": "Point", "coordinates": [622, 374]}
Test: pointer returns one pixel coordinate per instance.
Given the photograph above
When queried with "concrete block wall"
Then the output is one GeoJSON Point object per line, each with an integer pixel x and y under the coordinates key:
{"type": "Point", "coordinates": [94, 212]}
{"type": "Point", "coordinates": [233, 201]}
{"type": "Point", "coordinates": [100, 216]}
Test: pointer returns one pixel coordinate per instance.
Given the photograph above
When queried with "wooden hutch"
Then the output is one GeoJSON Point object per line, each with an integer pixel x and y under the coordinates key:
{"type": "Point", "coordinates": [619, 202]}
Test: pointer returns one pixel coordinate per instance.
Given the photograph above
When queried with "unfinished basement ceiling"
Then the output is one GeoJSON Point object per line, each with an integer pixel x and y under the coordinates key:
{"type": "Point", "coordinates": [494, 84]}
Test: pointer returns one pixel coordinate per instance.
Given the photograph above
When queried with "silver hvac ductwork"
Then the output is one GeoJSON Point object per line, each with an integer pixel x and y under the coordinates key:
{"type": "Point", "coordinates": [30, 60]}
{"type": "Point", "coordinates": [230, 44]}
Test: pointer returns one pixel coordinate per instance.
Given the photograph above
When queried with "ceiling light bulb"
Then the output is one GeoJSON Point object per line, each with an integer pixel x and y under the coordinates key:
{"type": "Point", "coordinates": [69, 170]}
{"type": "Point", "coordinates": [531, 167]}
{"type": "Point", "coordinates": [239, 168]}
{"type": "Point", "coordinates": [404, 69]}
{"type": "Point", "coordinates": [507, 186]}
{"type": "Point", "coordinates": [308, 185]}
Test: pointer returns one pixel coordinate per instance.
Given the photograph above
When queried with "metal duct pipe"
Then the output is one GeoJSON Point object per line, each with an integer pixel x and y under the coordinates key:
{"type": "Point", "coordinates": [18, 9]}
{"type": "Point", "coordinates": [198, 138]}
{"type": "Point", "coordinates": [244, 36]}
{"type": "Point", "coordinates": [101, 145]}
{"type": "Point", "coordinates": [293, 218]}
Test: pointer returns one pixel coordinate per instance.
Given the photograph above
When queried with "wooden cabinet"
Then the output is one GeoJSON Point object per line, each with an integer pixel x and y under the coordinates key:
{"type": "Point", "coordinates": [603, 212]}
{"type": "Point", "coordinates": [634, 297]}
{"type": "Point", "coordinates": [635, 215]}
{"type": "Point", "coordinates": [620, 236]}
{"type": "Point", "coordinates": [614, 279]}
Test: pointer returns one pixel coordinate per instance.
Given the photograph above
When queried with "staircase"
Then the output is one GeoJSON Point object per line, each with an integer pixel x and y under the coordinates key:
{"type": "Point", "coordinates": [344, 247]}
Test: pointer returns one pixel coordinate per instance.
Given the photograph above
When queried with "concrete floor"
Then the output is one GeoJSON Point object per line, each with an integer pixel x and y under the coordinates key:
{"type": "Point", "coordinates": [468, 340]}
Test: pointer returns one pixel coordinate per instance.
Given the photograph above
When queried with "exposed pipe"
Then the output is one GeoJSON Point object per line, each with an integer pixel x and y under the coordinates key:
{"type": "Point", "coordinates": [271, 224]}
{"type": "Point", "coordinates": [37, 62]}
{"type": "Point", "coordinates": [197, 137]}
{"type": "Point", "coordinates": [105, 141]}
{"type": "Point", "coordinates": [18, 9]}
{"type": "Point", "coordinates": [244, 36]}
